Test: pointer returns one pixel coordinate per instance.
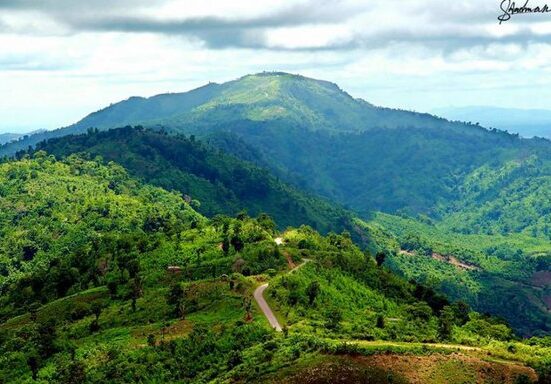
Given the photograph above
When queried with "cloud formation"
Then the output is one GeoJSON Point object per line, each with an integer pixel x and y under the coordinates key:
{"type": "Point", "coordinates": [411, 54]}
{"type": "Point", "coordinates": [245, 24]}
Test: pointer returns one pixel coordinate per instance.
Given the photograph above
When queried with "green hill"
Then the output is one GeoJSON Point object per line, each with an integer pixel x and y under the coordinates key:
{"type": "Point", "coordinates": [460, 178]}
{"type": "Point", "coordinates": [219, 183]}
{"type": "Point", "coordinates": [88, 296]}
{"type": "Point", "coordinates": [502, 275]}
{"type": "Point", "coordinates": [316, 136]}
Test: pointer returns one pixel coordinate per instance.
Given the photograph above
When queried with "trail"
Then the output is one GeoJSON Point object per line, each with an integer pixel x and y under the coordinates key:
{"type": "Point", "coordinates": [259, 297]}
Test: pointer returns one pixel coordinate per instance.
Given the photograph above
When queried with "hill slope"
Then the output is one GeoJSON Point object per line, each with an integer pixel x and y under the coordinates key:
{"type": "Point", "coordinates": [387, 159]}
{"type": "Point", "coordinates": [222, 184]}
{"type": "Point", "coordinates": [87, 296]}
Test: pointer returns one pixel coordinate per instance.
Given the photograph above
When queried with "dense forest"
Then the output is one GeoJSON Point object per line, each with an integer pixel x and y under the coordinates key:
{"type": "Point", "coordinates": [216, 182]}
{"type": "Point", "coordinates": [109, 309]}
{"type": "Point", "coordinates": [501, 281]}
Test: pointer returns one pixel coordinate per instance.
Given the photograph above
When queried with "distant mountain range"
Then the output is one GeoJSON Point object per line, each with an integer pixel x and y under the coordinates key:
{"type": "Point", "coordinates": [9, 137]}
{"type": "Point", "coordinates": [314, 135]}
{"type": "Point", "coordinates": [525, 122]}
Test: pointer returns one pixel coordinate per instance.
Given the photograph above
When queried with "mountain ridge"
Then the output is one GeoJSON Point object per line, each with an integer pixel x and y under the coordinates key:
{"type": "Point", "coordinates": [173, 109]}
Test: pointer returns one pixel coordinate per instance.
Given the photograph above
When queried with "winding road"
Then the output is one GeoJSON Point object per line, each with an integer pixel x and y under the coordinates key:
{"type": "Point", "coordinates": [268, 313]}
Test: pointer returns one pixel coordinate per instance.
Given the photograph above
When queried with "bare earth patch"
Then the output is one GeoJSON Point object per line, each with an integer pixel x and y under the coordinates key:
{"type": "Point", "coordinates": [397, 369]}
{"type": "Point", "coordinates": [454, 368]}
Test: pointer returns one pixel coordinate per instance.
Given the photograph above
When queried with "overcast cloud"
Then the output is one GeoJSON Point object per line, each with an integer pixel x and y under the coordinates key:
{"type": "Point", "coordinates": [61, 59]}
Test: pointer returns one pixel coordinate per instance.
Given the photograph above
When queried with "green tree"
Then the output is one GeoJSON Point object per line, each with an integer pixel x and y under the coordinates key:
{"type": "Point", "coordinates": [380, 322]}
{"type": "Point", "coordinates": [445, 323]}
{"type": "Point", "coordinates": [333, 317]}
{"type": "Point", "coordinates": [312, 291]}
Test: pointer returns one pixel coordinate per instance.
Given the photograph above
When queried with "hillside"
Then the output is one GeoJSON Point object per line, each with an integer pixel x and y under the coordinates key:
{"type": "Point", "coordinates": [461, 178]}
{"type": "Point", "coordinates": [292, 100]}
{"type": "Point", "coordinates": [502, 275]}
{"type": "Point", "coordinates": [388, 159]}
{"type": "Point", "coordinates": [87, 295]}
{"type": "Point", "coordinates": [218, 183]}
{"type": "Point", "coordinates": [55, 217]}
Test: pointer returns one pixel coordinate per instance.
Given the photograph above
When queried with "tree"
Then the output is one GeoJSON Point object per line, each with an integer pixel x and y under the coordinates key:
{"type": "Point", "coordinates": [380, 322]}
{"type": "Point", "coordinates": [46, 336]}
{"type": "Point", "coordinates": [380, 258]}
{"type": "Point", "coordinates": [151, 340]}
{"type": "Point", "coordinates": [334, 317]}
{"type": "Point", "coordinates": [96, 310]}
{"type": "Point", "coordinates": [247, 306]}
{"type": "Point", "coordinates": [445, 323]}
{"type": "Point", "coordinates": [266, 222]}
{"type": "Point", "coordinates": [312, 291]}
{"type": "Point", "coordinates": [175, 298]}
{"type": "Point", "coordinates": [33, 310]}
{"type": "Point", "coordinates": [137, 291]}
{"type": "Point", "coordinates": [70, 372]}
{"type": "Point", "coordinates": [235, 358]}
{"type": "Point", "coordinates": [33, 363]}
{"type": "Point", "coordinates": [461, 312]}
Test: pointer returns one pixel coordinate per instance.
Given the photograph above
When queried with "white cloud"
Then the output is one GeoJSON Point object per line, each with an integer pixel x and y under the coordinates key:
{"type": "Point", "coordinates": [60, 59]}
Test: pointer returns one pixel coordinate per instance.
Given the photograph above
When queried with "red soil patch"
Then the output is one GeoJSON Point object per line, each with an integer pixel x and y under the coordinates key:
{"type": "Point", "coordinates": [455, 262]}
{"type": "Point", "coordinates": [379, 368]}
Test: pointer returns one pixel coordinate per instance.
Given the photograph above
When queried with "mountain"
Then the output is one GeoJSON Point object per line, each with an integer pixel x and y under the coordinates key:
{"type": "Point", "coordinates": [297, 126]}
{"type": "Point", "coordinates": [525, 122]}
{"type": "Point", "coordinates": [464, 181]}
{"type": "Point", "coordinates": [216, 182]}
{"type": "Point", "coordinates": [107, 279]}
{"type": "Point", "coordinates": [265, 97]}
{"type": "Point", "coordinates": [9, 137]}
{"type": "Point", "coordinates": [12, 138]}
{"type": "Point", "coordinates": [223, 184]}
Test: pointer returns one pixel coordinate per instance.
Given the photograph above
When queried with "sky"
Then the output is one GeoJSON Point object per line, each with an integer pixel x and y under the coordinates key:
{"type": "Point", "coordinates": [62, 59]}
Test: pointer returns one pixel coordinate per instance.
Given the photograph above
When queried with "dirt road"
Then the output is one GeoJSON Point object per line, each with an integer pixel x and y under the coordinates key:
{"type": "Point", "coordinates": [259, 297]}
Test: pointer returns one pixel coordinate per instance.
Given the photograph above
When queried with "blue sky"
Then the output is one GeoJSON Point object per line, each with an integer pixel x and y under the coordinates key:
{"type": "Point", "coordinates": [61, 59]}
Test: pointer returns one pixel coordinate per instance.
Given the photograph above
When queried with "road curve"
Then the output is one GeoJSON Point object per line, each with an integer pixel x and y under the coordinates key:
{"type": "Point", "coordinates": [259, 297]}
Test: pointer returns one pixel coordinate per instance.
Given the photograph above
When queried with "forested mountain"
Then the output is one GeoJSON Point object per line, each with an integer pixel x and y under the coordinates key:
{"type": "Point", "coordinates": [105, 279]}
{"type": "Point", "coordinates": [312, 134]}
{"type": "Point", "coordinates": [215, 182]}
{"type": "Point", "coordinates": [461, 178]}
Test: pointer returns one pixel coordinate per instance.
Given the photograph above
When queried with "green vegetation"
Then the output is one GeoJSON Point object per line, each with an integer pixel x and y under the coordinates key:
{"type": "Point", "coordinates": [153, 292]}
{"type": "Point", "coordinates": [502, 275]}
{"type": "Point", "coordinates": [120, 261]}
{"type": "Point", "coordinates": [216, 183]}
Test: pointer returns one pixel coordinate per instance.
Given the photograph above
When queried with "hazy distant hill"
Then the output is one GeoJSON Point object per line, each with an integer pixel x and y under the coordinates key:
{"type": "Point", "coordinates": [7, 137]}
{"type": "Point", "coordinates": [525, 122]}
